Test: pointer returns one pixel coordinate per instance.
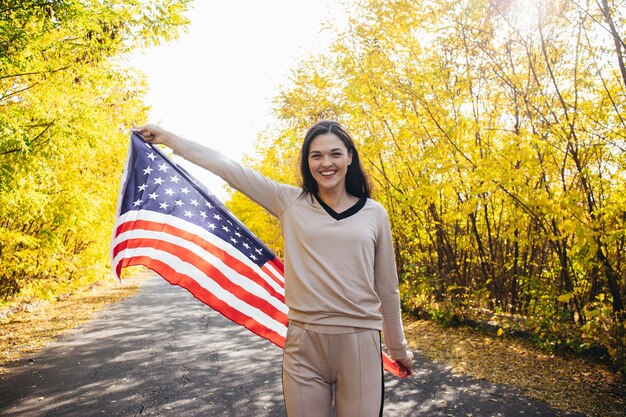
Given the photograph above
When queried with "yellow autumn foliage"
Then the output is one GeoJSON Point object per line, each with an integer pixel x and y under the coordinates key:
{"type": "Point", "coordinates": [65, 108]}
{"type": "Point", "coordinates": [494, 133]}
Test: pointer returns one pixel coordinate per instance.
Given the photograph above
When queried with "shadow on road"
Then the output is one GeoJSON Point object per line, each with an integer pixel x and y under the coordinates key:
{"type": "Point", "coordinates": [164, 353]}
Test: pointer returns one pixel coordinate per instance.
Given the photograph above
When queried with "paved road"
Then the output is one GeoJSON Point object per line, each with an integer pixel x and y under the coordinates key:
{"type": "Point", "coordinates": [163, 353]}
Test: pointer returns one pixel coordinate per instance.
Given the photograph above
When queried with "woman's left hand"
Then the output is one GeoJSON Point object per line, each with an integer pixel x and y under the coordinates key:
{"type": "Point", "coordinates": [406, 364]}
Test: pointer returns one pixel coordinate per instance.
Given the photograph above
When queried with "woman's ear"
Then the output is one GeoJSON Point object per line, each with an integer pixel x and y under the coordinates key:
{"type": "Point", "coordinates": [349, 157]}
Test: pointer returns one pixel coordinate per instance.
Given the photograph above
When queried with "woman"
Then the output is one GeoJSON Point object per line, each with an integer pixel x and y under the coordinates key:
{"type": "Point", "coordinates": [341, 284]}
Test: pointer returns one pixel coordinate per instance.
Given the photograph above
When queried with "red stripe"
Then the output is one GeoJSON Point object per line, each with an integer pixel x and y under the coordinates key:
{"type": "Point", "coordinates": [391, 366]}
{"type": "Point", "coordinates": [207, 269]}
{"type": "Point", "coordinates": [206, 297]}
{"type": "Point", "coordinates": [278, 264]}
{"type": "Point", "coordinates": [271, 273]}
{"type": "Point", "coordinates": [224, 256]}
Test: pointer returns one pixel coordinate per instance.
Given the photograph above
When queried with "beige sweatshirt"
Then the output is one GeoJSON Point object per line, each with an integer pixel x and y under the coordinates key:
{"type": "Point", "coordinates": [339, 268]}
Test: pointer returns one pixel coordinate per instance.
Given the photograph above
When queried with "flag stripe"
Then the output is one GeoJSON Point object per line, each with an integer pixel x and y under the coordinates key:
{"type": "Point", "coordinates": [272, 273]}
{"type": "Point", "coordinates": [391, 366]}
{"type": "Point", "coordinates": [163, 222]}
{"type": "Point", "coordinates": [181, 267]}
{"type": "Point", "coordinates": [276, 335]}
{"type": "Point", "coordinates": [230, 266]}
{"type": "Point", "coordinates": [279, 266]}
{"type": "Point", "coordinates": [233, 283]}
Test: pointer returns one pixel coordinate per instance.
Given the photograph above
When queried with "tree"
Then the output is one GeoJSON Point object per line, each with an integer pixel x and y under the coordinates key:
{"type": "Point", "coordinates": [65, 106]}
{"type": "Point", "coordinates": [494, 133]}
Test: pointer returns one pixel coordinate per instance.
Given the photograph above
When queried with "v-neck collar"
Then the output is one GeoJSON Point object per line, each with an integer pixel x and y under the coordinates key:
{"type": "Point", "coordinates": [344, 214]}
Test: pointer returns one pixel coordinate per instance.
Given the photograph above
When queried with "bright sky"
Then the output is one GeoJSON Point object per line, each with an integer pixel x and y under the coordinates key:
{"type": "Point", "coordinates": [215, 83]}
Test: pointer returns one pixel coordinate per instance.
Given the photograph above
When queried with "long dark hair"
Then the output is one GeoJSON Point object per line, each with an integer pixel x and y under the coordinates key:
{"type": "Point", "coordinates": [357, 183]}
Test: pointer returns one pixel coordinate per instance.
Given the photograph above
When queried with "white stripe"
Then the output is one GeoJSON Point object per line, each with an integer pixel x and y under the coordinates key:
{"type": "Point", "coordinates": [234, 276]}
{"type": "Point", "coordinates": [202, 233]}
{"type": "Point", "coordinates": [207, 283]}
{"type": "Point", "coordinates": [274, 272]}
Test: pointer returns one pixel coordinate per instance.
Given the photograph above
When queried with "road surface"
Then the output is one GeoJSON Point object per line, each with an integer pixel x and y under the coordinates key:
{"type": "Point", "coordinates": [164, 353]}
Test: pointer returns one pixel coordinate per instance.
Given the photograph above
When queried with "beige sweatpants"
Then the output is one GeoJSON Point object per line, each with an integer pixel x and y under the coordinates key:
{"type": "Point", "coordinates": [317, 359]}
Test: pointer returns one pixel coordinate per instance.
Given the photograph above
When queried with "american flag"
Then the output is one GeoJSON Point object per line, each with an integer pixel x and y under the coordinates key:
{"type": "Point", "coordinates": [169, 223]}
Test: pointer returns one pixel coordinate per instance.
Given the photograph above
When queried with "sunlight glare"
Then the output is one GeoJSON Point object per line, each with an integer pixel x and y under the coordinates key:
{"type": "Point", "coordinates": [525, 15]}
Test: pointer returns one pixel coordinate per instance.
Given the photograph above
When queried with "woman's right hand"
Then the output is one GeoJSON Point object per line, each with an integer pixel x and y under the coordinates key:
{"type": "Point", "coordinates": [156, 135]}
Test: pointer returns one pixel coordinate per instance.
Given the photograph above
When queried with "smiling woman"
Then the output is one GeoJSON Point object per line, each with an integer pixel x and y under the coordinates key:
{"type": "Point", "coordinates": [341, 284]}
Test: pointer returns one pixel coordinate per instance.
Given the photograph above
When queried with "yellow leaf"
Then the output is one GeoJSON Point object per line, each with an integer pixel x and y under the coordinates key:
{"type": "Point", "coordinates": [564, 298]}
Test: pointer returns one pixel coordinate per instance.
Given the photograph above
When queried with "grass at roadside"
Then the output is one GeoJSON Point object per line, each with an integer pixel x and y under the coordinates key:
{"type": "Point", "coordinates": [31, 327]}
{"type": "Point", "coordinates": [564, 381]}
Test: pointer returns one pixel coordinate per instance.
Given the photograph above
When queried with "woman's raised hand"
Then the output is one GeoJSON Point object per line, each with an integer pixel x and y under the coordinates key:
{"type": "Point", "coordinates": [156, 135]}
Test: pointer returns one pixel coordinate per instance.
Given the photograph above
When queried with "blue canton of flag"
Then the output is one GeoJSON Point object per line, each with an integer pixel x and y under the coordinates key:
{"type": "Point", "coordinates": [158, 184]}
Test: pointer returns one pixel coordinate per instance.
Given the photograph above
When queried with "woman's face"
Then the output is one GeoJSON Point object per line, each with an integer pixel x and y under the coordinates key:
{"type": "Point", "coordinates": [328, 161]}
